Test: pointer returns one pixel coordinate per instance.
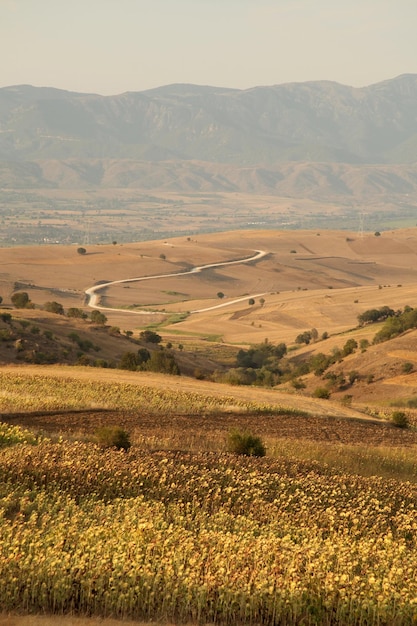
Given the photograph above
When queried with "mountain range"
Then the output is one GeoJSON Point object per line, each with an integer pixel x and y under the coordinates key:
{"type": "Point", "coordinates": [216, 138]}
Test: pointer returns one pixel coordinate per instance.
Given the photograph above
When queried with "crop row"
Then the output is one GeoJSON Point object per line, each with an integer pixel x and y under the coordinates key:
{"type": "Point", "coordinates": [262, 541]}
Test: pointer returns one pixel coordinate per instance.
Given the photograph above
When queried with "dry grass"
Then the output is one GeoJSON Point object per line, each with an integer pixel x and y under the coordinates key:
{"type": "Point", "coordinates": [364, 272]}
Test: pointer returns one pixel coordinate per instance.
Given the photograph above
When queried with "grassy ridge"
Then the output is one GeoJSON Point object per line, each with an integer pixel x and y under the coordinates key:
{"type": "Point", "coordinates": [29, 392]}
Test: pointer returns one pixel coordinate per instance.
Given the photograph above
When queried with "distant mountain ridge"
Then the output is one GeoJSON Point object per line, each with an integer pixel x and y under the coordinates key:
{"type": "Point", "coordinates": [313, 121]}
{"type": "Point", "coordinates": [290, 139]}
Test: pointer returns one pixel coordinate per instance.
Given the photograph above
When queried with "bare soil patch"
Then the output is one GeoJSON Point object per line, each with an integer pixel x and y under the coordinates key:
{"type": "Point", "coordinates": [206, 428]}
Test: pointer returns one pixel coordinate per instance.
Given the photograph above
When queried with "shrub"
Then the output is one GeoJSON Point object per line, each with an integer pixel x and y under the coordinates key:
{"type": "Point", "coordinates": [321, 392]}
{"type": "Point", "coordinates": [149, 336]}
{"type": "Point", "coordinates": [349, 347]}
{"type": "Point", "coordinates": [113, 437]}
{"type": "Point", "coordinates": [128, 361]}
{"type": "Point", "coordinates": [98, 318]}
{"type": "Point", "coordinates": [21, 300]}
{"type": "Point", "coordinates": [363, 344]}
{"type": "Point", "coordinates": [346, 400]}
{"type": "Point", "coordinates": [162, 362]}
{"type": "Point", "coordinates": [81, 251]}
{"type": "Point", "coordinates": [245, 444]}
{"type": "Point", "coordinates": [304, 337]}
{"type": "Point", "coordinates": [54, 307]}
{"type": "Point", "coordinates": [399, 419]}
{"type": "Point", "coordinates": [5, 335]}
{"type": "Point", "coordinates": [297, 383]}
{"type": "Point", "coordinates": [407, 367]}
{"type": "Point", "coordinates": [77, 313]}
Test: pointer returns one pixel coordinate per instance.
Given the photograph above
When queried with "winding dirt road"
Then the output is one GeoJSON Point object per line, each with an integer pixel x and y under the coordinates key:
{"type": "Point", "coordinates": [94, 297]}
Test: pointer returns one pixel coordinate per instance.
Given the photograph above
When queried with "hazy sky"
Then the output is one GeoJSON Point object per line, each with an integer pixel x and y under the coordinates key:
{"type": "Point", "coordinates": [112, 46]}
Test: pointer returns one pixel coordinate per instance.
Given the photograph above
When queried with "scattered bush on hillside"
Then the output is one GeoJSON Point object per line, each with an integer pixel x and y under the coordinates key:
{"type": "Point", "coordinates": [98, 318]}
{"type": "Point", "coordinates": [245, 444]}
{"type": "Point", "coordinates": [322, 393]}
{"type": "Point", "coordinates": [143, 355]}
{"type": "Point", "coordinates": [407, 367]}
{"type": "Point", "coordinates": [113, 437]}
{"type": "Point", "coordinates": [400, 419]}
{"type": "Point", "coordinates": [81, 251]}
{"type": "Point", "coordinates": [261, 355]}
{"type": "Point", "coordinates": [394, 326]}
{"type": "Point", "coordinates": [128, 362]}
{"type": "Point", "coordinates": [54, 307]}
{"type": "Point", "coordinates": [375, 315]}
{"type": "Point", "coordinates": [304, 337]}
{"type": "Point", "coordinates": [76, 313]}
{"type": "Point", "coordinates": [349, 347]}
{"type": "Point", "coordinates": [163, 362]}
{"type": "Point", "coordinates": [319, 363]}
{"type": "Point", "coordinates": [21, 300]}
{"type": "Point", "coordinates": [6, 318]}
{"type": "Point", "coordinates": [84, 344]}
{"type": "Point", "coordinates": [5, 334]}
{"type": "Point", "coordinates": [150, 336]}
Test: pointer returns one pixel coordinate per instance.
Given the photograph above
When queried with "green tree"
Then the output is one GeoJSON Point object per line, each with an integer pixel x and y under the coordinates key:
{"type": "Point", "coordinates": [220, 294]}
{"type": "Point", "coordinates": [21, 300]}
{"type": "Point", "coordinates": [77, 313]}
{"type": "Point", "coordinates": [128, 361]}
{"type": "Point", "coordinates": [349, 347]}
{"type": "Point", "coordinates": [98, 318]}
{"type": "Point", "coordinates": [54, 307]}
{"type": "Point", "coordinates": [304, 337]}
{"type": "Point", "coordinates": [150, 336]}
{"type": "Point", "coordinates": [81, 251]}
{"type": "Point", "coordinates": [162, 361]}
{"type": "Point", "coordinates": [143, 356]}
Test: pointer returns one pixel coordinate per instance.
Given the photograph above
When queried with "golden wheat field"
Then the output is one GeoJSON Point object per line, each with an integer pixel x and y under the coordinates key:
{"type": "Point", "coordinates": [319, 531]}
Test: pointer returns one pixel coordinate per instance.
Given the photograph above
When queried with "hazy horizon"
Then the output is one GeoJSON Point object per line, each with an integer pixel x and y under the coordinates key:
{"type": "Point", "coordinates": [108, 47]}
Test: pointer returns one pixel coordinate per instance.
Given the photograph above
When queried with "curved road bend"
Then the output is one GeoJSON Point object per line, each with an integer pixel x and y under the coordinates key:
{"type": "Point", "coordinates": [93, 297]}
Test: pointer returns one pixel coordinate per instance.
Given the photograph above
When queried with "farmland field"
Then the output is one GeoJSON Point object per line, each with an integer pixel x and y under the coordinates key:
{"type": "Point", "coordinates": [320, 531]}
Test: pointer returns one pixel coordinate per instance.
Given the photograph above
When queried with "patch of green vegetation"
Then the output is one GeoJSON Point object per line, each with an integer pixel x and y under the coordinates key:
{"type": "Point", "coordinates": [213, 338]}
{"type": "Point", "coordinates": [175, 293]}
